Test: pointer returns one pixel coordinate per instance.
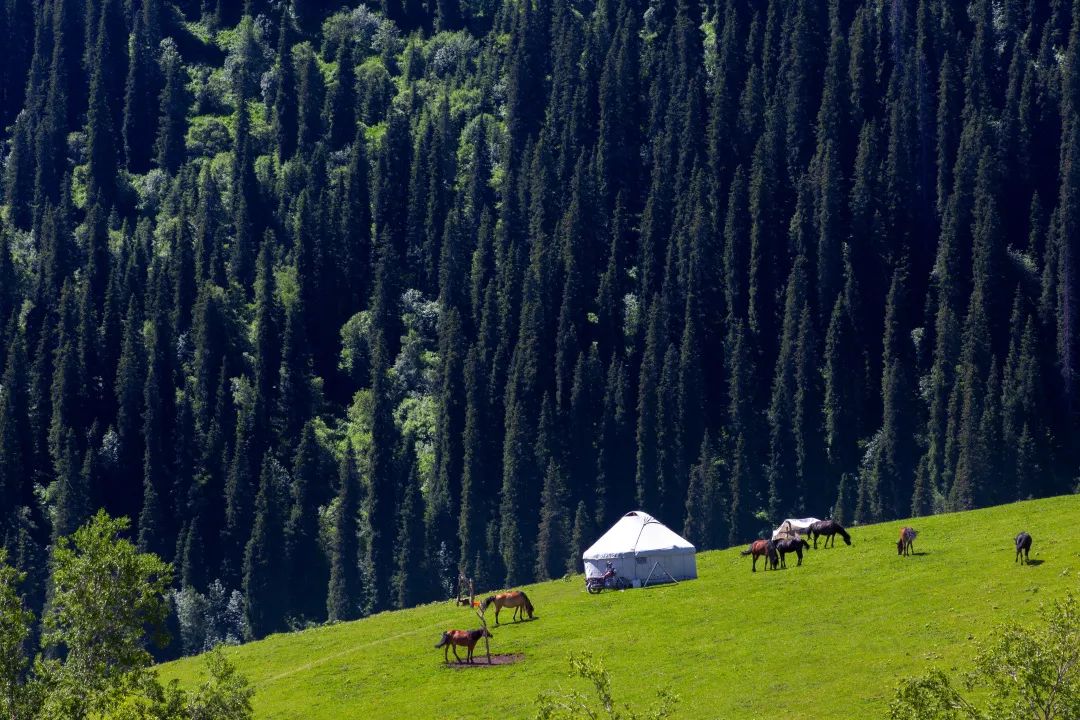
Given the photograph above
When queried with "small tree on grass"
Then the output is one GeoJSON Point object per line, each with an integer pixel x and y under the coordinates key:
{"type": "Point", "coordinates": [601, 704]}
{"type": "Point", "coordinates": [105, 596]}
{"type": "Point", "coordinates": [1024, 674]}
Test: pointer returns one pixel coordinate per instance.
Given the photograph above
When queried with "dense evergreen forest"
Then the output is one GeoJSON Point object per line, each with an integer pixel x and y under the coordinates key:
{"type": "Point", "coordinates": [337, 301]}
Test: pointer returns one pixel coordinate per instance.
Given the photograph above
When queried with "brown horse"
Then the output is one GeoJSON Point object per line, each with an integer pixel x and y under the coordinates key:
{"type": "Point", "coordinates": [906, 544]}
{"type": "Point", "coordinates": [467, 638]}
{"type": "Point", "coordinates": [791, 545]}
{"type": "Point", "coordinates": [759, 548]}
{"type": "Point", "coordinates": [515, 599]}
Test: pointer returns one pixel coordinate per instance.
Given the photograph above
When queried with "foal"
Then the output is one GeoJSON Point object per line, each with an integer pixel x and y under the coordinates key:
{"type": "Point", "coordinates": [1023, 547]}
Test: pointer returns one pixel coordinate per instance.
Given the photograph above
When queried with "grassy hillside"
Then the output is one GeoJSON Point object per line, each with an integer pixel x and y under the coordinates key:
{"type": "Point", "coordinates": [833, 635]}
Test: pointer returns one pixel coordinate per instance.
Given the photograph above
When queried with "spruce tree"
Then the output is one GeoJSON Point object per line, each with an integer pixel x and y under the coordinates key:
{"type": "Point", "coordinates": [704, 526]}
{"type": "Point", "coordinates": [170, 145]}
{"type": "Point", "coordinates": [345, 592]}
{"type": "Point", "coordinates": [580, 538]}
{"type": "Point", "coordinates": [411, 572]}
{"type": "Point", "coordinates": [285, 113]}
{"type": "Point", "coordinates": [141, 91]}
{"type": "Point", "coordinates": [554, 532]}
{"type": "Point", "coordinates": [265, 584]}
{"type": "Point", "coordinates": [307, 564]}
{"type": "Point", "coordinates": [341, 100]}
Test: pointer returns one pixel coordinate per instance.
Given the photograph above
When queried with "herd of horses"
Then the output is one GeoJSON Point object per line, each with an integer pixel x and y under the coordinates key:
{"type": "Point", "coordinates": [774, 552]}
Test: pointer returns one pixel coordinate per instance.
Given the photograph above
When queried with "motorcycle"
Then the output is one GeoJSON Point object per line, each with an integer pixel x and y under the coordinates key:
{"type": "Point", "coordinates": [610, 580]}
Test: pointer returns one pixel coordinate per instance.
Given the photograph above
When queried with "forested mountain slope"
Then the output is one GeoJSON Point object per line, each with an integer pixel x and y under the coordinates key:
{"type": "Point", "coordinates": [343, 300]}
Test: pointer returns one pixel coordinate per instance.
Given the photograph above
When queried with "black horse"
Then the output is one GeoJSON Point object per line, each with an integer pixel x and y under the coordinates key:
{"type": "Point", "coordinates": [830, 529]}
{"type": "Point", "coordinates": [791, 545]}
{"type": "Point", "coordinates": [1023, 547]}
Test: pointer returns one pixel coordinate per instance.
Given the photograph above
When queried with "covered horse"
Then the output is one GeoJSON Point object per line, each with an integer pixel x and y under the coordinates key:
{"type": "Point", "coordinates": [794, 527]}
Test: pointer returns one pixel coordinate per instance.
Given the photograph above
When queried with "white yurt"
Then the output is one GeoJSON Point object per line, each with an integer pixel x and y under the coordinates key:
{"type": "Point", "coordinates": [643, 550]}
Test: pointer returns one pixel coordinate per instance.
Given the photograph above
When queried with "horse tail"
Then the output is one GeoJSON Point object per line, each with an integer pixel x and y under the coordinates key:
{"type": "Point", "coordinates": [528, 605]}
{"type": "Point", "coordinates": [445, 639]}
{"type": "Point", "coordinates": [747, 551]}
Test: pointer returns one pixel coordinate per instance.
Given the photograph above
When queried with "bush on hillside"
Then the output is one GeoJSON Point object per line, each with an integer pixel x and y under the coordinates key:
{"type": "Point", "coordinates": [1024, 673]}
{"type": "Point", "coordinates": [574, 705]}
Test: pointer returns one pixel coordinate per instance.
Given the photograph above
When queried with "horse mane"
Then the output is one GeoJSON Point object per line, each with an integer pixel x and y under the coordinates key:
{"type": "Point", "coordinates": [487, 601]}
{"type": "Point", "coordinates": [842, 531]}
{"type": "Point", "coordinates": [528, 605]}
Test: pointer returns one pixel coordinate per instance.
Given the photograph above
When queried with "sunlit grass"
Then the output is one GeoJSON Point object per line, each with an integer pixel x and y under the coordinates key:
{"type": "Point", "coordinates": [828, 639]}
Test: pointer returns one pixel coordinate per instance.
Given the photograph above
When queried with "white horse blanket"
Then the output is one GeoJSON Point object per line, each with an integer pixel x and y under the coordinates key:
{"type": "Point", "coordinates": [792, 528]}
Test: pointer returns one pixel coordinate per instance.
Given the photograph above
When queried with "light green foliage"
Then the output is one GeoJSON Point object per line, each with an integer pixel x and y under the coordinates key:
{"type": "Point", "coordinates": [1026, 673]}
{"type": "Point", "coordinates": [15, 622]}
{"type": "Point", "coordinates": [579, 706]}
{"type": "Point", "coordinates": [225, 695]}
{"type": "Point", "coordinates": [835, 635]}
{"type": "Point", "coordinates": [106, 594]}
{"type": "Point", "coordinates": [355, 350]}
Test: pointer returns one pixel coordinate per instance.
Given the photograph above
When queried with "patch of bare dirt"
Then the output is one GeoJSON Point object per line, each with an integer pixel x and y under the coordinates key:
{"type": "Point", "coordinates": [480, 660]}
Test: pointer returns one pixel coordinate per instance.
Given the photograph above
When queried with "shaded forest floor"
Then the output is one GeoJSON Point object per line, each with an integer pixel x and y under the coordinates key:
{"type": "Point", "coordinates": [835, 635]}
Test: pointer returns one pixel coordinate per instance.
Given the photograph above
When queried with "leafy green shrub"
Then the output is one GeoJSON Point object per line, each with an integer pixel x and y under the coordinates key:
{"type": "Point", "coordinates": [1030, 673]}
{"type": "Point", "coordinates": [579, 706]}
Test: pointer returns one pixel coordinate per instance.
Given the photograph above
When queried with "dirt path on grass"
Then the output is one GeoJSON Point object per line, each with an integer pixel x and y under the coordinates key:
{"type": "Point", "coordinates": [334, 656]}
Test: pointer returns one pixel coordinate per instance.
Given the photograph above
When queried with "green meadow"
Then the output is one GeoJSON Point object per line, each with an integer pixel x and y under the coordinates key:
{"type": "Point", "coordinates": [828, 639]}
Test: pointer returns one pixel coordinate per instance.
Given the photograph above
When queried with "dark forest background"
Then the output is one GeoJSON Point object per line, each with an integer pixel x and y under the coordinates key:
{"type": "Point", "coordinates": [336, 302]}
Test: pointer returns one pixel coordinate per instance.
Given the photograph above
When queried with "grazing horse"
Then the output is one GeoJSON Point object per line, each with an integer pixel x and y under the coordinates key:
{"type": "Point", "coordinates": [905, 545]}
{"type": "Point", "coordinates": [1023, 547]}
{"type": "Point", "coordinates": [467, 638]}
{"type": "Point", "coordinates": [759, 548]}
{"type": "Point", "coordinates": [830, 529]}
{"type": "Point", "coordinates": [515, 599]}
{"type": "Point", "coordinates": [791, 545]}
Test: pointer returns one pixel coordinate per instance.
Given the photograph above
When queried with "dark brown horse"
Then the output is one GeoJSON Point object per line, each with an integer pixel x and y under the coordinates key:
{"type": "Point", "coordinates": [1023, 547]}
{"type": "Point", "coordinates": [791, 545]}
{"type": "Point", "coordinates": [466, 638]}
{"type": "Point", "coordinates": [830, 529]}
{"type": "Point", "coordinates": [906, 544]}
{"type": "Point", "coordinates": [759, 548]}
{"type": "Point", "coordinates": [515, 599]}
